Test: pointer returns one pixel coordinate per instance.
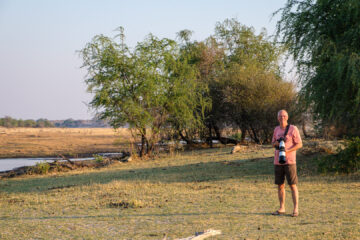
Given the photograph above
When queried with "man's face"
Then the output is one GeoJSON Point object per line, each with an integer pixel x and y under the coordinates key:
{"type": "Point", "coordinates": [283, 117]}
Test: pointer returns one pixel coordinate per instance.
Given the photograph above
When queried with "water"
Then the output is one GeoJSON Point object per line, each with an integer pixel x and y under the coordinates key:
{"type": "Point", "coordinates": [7, 164]}
{"type": "Point", "coordinates": [11, 163]}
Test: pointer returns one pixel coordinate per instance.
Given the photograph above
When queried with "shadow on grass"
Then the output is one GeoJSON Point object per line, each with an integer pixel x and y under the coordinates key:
{"type": "Point", "coordinates": [198, 172]}
{"type": "Point", "coordinates": [256, 169]}
{"type": "Point", "coordinates": [139, 215]}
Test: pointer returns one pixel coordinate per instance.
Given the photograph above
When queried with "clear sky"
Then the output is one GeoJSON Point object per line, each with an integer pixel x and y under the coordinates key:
{"type": "Point", "coordinates": [40, 75]}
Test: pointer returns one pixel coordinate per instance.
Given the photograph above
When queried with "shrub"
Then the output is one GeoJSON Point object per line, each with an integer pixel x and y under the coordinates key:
{"type": "Point", "coordinates": [99, 158]}
{"type": "Point", "coordinates": [346, 161]}
{"type": "Point", "coordinates": [40, 168]}
{"type": "Point", "coordinates": [236, 136]}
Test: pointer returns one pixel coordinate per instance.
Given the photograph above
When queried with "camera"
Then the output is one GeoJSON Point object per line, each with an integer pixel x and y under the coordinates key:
{"type": "Point", "coordinates": [282, 156]}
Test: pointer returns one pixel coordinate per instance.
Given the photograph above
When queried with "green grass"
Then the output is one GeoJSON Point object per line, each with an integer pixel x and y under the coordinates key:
{"type": "Point", "coordinates": [179, 195]}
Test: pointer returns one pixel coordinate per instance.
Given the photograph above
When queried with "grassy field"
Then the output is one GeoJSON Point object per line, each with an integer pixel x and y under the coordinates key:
{"type": "Point", "coordinates": [49, 142]}
{"type": "Point", "coordinates": [177, 196]}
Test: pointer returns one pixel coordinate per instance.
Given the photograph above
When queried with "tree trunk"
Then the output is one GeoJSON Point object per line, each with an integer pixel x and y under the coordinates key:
{"type": "Point", "coordinates": [188, 141]}
{"type": "Point", "coordinates": [143, 142]}
{"type": "Point", "coordinates": [142, 147]}
{"type": "Point", "coordinates": [256, 139]}
{"type": "Point", "coordinates": [267, 134]}
{"type": "Point", "coordinates": [243, 134]}
{"type": "Point", "coordinates": [306, 135]}
{"type": "Point", "coordinates": [210, 136]}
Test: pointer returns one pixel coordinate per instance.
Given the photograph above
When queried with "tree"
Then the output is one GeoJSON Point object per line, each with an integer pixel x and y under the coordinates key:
{"type": "Point", "coordinates": [252, 89]}
{"type": "Point", "coordinates": [42, 123]}
{"type": "Point", "coordinates": [8, 122]}
{"type": "Point", "coordinates": [323, 37]}
{"type": "Point", "coordinates": [241, 71]}
{"type": "Point", "coordinates": [29, 123]}
{"type": "Point", "coordinates": [253, 97]}
{"type": "Point", "coordinates": [149, 88]}
{"type": "Point", "coordinates": [210, 62]}
{"type": "Point", "coordinates": [190, 57]}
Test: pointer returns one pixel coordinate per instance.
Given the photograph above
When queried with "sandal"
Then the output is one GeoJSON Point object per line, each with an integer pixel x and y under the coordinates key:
{"type": "Point", "coordinates": [295, 214]}
{"type": "Point", "coordinates": [277, 213]}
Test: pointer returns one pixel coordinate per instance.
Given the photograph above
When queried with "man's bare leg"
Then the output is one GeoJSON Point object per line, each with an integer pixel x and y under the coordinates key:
{"type": "Point", "coordinates": [295, 197]}
{"type": "Point", "coordinates": [281, 194]}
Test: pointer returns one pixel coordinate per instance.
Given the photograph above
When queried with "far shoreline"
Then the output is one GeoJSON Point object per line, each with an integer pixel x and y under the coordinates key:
{"type": "Point", "coordinates": [69, 142]}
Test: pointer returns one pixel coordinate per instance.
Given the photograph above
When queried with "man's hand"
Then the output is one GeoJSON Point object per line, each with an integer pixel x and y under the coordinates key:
{"type": "Point", "coordinates": [276, 144]}
{"type": "Point", "coordinates": [294, 148]}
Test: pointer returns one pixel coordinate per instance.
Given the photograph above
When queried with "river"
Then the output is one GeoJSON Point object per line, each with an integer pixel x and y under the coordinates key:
{"type": "Point", "coordinates": [7, 164]}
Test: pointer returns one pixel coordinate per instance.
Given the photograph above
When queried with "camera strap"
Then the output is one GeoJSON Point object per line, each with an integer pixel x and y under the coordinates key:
{"type": "Point", "coordinates": [286, 130]}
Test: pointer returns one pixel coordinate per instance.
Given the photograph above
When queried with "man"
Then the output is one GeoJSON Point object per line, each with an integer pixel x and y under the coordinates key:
{"type": "Point", "coordinates": [288, 169]}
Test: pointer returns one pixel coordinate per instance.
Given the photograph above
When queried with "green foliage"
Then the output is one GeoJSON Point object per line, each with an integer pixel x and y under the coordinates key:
{"type": "Point", "coordinates": [241, 70]}
{"type": "Point", "coordinates": [98, 158]}
{"type": "Point", "coordinates": [242, 46]}
{"type": "Point", "coordinates": [249, 88]}
{"type": "Point", "coordinates": [236, 136]}
{"type": "Point", "coordinates": [29, 123]}
{"type": "Point", "coordinates": [43, 123]}
{"type": "Point", "coordinates": [346, 161]}
{"type": "Point", "coordinates": [12, 122]}
{"type": "Point", "coordinates": [253, 97]}
{"type": "Point", "coordinates": [148, 88]}
{"type": "Point", "coordinates": [39, 168]}
{"type": "Point", "coordinates": [233, 78]}
{"type": "Point", "coordinates": [323, 37]}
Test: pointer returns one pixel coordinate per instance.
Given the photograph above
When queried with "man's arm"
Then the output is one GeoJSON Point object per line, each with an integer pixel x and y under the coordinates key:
{"type": "Point", "coordinates": [294, 147]}
{"type": "Point", "coordinates": [297, 140]}
{"type": "Point", "coordinates": [274, 143]}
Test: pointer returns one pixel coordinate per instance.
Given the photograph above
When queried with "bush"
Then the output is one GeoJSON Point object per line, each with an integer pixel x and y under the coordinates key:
{"type": "Point", "coordinates": [98, 158]}
{"type": "Point", "coordinates": [346, 161]}
{"type": "Point", "coordinates": [40, 168]}
{"type": "Point", "coordinates": [236, 136]}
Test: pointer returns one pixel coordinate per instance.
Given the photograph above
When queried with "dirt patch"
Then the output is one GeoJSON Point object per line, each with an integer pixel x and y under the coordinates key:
{"type": "Point", "coordinates": [127, 204]}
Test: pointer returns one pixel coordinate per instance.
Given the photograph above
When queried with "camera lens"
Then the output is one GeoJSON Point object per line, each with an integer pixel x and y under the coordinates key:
{"type": "Point", "coordinates": [282, 157]}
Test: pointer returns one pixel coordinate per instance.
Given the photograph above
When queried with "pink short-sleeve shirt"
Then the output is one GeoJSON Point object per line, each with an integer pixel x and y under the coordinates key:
{"type": "Point", "coordinates": [292, 138]}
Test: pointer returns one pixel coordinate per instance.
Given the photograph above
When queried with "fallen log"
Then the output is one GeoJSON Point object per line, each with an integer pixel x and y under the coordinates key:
{"type": "Point", "coordinates": [123, 157]}
{"type": "Point", "coordinates": [66, 158]}
{"type": "Point", "coordinates": [201, 235]}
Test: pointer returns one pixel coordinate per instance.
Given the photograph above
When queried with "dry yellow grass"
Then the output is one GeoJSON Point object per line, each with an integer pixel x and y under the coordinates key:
{"type": "Point", "coordinates": [46, 142]}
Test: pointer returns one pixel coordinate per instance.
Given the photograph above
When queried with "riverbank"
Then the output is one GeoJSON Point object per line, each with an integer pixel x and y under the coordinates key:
{"type": "Point", "coordinates": [63, 165]}
{"type": "Point", "coordinates": [10, 168]}
{"type": "Point", "coordinates": [70, 142]}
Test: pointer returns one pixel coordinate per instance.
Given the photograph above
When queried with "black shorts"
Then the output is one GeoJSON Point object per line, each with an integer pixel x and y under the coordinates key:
{"type": "Point", "coordinates": [285, 170]}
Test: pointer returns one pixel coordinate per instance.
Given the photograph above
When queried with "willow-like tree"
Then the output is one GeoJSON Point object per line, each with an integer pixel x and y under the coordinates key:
{"type": "Point", "coordinates": [323, 37]}
{"type": "Point", "coordinates": [149, 88]}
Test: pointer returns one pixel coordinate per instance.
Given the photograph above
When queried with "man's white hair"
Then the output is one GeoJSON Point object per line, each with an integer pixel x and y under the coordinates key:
{"type": "Point", "coordinates": [282, 111]}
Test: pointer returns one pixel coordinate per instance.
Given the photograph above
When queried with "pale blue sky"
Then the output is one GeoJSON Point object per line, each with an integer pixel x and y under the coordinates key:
{"type": "Point", "coordinates": [40, 75]}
